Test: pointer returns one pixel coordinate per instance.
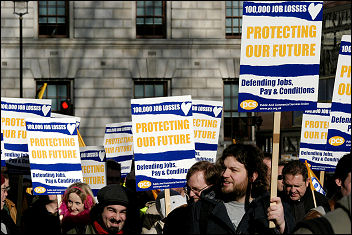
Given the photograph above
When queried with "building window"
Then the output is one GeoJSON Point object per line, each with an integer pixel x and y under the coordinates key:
{"type": "Point", "coordinates": [145, 89]}
{"type": "Point", "coordinates": [326, 87]}
{"type": "Point", "coordinates": [234, 11]}
{"type": "Point", "coordinates": [53, 19]}
{"type": "Point", "coordinates": [151, 19]}
{"type": "Point", "coordinates": [235, 123]}
{"type": "Point", "coordinates": [57, 91]}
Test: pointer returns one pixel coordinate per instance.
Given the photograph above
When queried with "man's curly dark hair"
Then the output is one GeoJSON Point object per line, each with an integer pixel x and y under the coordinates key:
{"type": "Point", "coordinates": [252, 158]}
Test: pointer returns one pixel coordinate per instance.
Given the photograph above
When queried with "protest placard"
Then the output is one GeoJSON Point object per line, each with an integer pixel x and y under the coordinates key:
{"type": "Point", "coordinates": [54, 154]}
{"type": "Point", "coordinates": [163, 141]}
{"type": "Point", "coordinates": [314, 133]}
{"type": "Point", "coordinates": [59, 115]}
{"type": "Point", "coordinates": [280, 56]}
{"type": "Point", "coordinates": [118, 144]}
{"type": "Point", "coordinates": [206, 124]}
{"type": "Point", "coordinates": [93, 162]}
{"type": "Point", "coordinates": [339, 133]}
{"type": "Point", "coordinates": [13, 126]}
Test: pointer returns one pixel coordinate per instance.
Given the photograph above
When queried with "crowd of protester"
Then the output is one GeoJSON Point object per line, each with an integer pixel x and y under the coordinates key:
{"type": "Point", "coordinates": [231, 196]}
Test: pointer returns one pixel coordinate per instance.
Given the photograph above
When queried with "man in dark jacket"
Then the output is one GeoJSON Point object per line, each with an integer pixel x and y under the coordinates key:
{"type": "Point", "coordinates": [241, 203]}
{"type": "Point", "coordinates": [43, 214]}
{"type": "Point", "coordinates": [298, 194]}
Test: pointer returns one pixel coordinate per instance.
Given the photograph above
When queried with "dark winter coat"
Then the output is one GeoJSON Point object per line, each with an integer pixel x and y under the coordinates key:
{"type": "Point", "coordinates": [6, 219]}
{"type": "Point", "coordinates": [209, 215]}
{"type": "Point", "coordinates": [37, 220]}
{"type": "Point", "coordinates": [300, 208]}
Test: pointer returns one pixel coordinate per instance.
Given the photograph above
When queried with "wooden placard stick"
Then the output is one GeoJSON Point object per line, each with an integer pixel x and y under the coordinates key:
{"type": "Point", "coordinates": [322, 174]}
{"type": "Point", "coordinates": [167, 201]}
{"type": "Point", "coordinates": [275, 159]}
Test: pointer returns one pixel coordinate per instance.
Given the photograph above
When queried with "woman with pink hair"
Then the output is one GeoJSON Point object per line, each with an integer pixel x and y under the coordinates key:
{"type": "Point", "coordinates": [76, 204]}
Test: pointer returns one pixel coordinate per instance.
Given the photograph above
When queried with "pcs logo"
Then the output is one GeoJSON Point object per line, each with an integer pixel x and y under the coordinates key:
{"type": "Point", "coordinates": [144, 184]}
{"type": "Point", "coordinates": [39, 189]}
{"type": "Point", "coordinates": [336, 141]}
{"type": "Point", "coordinates": [249, 104]}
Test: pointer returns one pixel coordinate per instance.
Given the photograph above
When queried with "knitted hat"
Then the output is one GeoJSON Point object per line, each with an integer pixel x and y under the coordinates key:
{"type": "Point", "coordinates": [112, 194]}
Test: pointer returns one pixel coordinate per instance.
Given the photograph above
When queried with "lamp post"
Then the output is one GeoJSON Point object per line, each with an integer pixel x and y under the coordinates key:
{"type": "Point", "coordinates": [20, 8]}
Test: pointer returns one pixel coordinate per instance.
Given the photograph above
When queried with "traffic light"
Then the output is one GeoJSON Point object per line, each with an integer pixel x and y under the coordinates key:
{"type": "Point", "coordinates": [66, 107]}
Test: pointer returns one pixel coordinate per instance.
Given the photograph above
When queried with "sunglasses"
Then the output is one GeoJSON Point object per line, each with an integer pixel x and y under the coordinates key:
{"type": "Point", "coordinates": [280, 177]}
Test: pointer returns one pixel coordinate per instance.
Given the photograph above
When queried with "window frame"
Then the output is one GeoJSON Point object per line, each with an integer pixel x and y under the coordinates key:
{"type": "Point", "coordinates": [242, 118]}
{"type": "Point", "coordinates": [47, 27]}
{"type": "Point", "coordinates": [233, 35]}
{"type": "Point", "coordinates": [163, 82]}
{"type": "Point", "coordinates": [152, 27]}
{"type": "Point", "coordinates": [69, 91]}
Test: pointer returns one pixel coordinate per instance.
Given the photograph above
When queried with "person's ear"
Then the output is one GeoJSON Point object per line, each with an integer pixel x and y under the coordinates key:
{"type": "Point", "coordinates": [254, 176]}
{"type": "Point", "coordinates": [307, 182]}
{"type": "Point", "coordinates": [338, 182]}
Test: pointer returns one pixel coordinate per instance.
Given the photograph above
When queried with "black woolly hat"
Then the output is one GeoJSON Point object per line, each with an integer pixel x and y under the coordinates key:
{"type": "Point", "coordinates": [112, 194]}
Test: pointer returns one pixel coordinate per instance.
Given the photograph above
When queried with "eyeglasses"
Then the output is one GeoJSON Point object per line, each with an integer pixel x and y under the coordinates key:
{"type": "Point", "coordinates": [280, 177]}
{"type": "Point", "coordinates": [6, 189]}
{"type": "Point", "coordinates": [195, 190]}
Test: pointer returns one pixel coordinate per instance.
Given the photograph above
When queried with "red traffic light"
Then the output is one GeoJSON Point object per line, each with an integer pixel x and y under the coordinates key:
{"type": "Point", "coordinates": [66, 107]}
{"type": "Point", "coordinates": [64, 104]}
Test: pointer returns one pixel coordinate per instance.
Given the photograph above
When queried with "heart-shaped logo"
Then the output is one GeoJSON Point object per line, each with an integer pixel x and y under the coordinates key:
{"type": "Point", "coordinates": [186, 107]}
{"type": "Point", "coordinates": [314, 10]}
{"type": "Point", "coordinates": [45, 109]}
{"type": "Point", "coordinates": [71, 128]}
{"type": "Point", "coordinates": [216, 111]}
{"type": "Point", "coordinates": [101, 155]}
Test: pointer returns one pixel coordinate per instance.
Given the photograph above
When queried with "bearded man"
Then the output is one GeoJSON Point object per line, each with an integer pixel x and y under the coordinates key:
{"type": "Point", "coordinates": [241, 203]}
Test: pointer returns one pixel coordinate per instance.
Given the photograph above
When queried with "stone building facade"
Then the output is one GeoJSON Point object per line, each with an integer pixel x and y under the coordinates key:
{"type": "Point", "coordinates": [103, 58]}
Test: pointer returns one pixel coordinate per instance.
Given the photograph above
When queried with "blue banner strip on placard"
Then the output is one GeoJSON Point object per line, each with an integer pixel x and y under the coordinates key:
{"type": "Point", "coordinates": [206, 109]}
{"type": "Point", "coordinates": [159, 183]}
{"type": "Point", "coordinates": [95, 192]}
{"type": "Point", "coordinates": [109, 131]}
{"type": "Point", "coordinates": [319, 166]}
{"type": "Point", "coordinates": [57, 167]}
{"type": "Point", "coordinates": [121, 158]}
{"type": "Point", "coordinates": [119, 129]}
{"type": "Point", "coordinates": [321, 147]}
{"type": "Point", "coordinates": [345, 48]}
{"type": "Point", "coordinates": [92, 155]}
{"type": "Point", "coordinates": [16, 147]}
{"type": "Point", "coordinates": [285, 70]}
{"type": "Point", "coordinates": [165, 156]}
{"type": "Point", "coordinates": [54, 127]}
{"type": "Point", "coordinates": [289, 9]}
{"type": "Point", "coordinates": [49, 190]}
{"type": "Point", "coordinates": [174, 108]}
{"type": "Point", "coordinates": [339, 107]}
{"type": "Point", "coordinates": [321, 112]}
{"type": "Point", "coordinates": [204, 146]}
{"type": "Point", "coordinates": [345, 146]}
{"type": "Point", "coordinates": [282, 105]}
{"type": "Point", "coordinates": [29, 108]}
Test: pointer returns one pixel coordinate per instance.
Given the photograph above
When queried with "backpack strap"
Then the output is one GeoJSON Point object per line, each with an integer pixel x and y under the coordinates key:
{"type": "Point", "coordinates": [317, 225]}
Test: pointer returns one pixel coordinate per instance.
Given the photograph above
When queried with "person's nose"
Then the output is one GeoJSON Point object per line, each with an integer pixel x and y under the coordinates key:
{"type": "Point", "coordinates": [226, 172]}
{"type": "Point", "coordinates": [192, 194]}
{"type": "Point", "coordinates": [117, 216]}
